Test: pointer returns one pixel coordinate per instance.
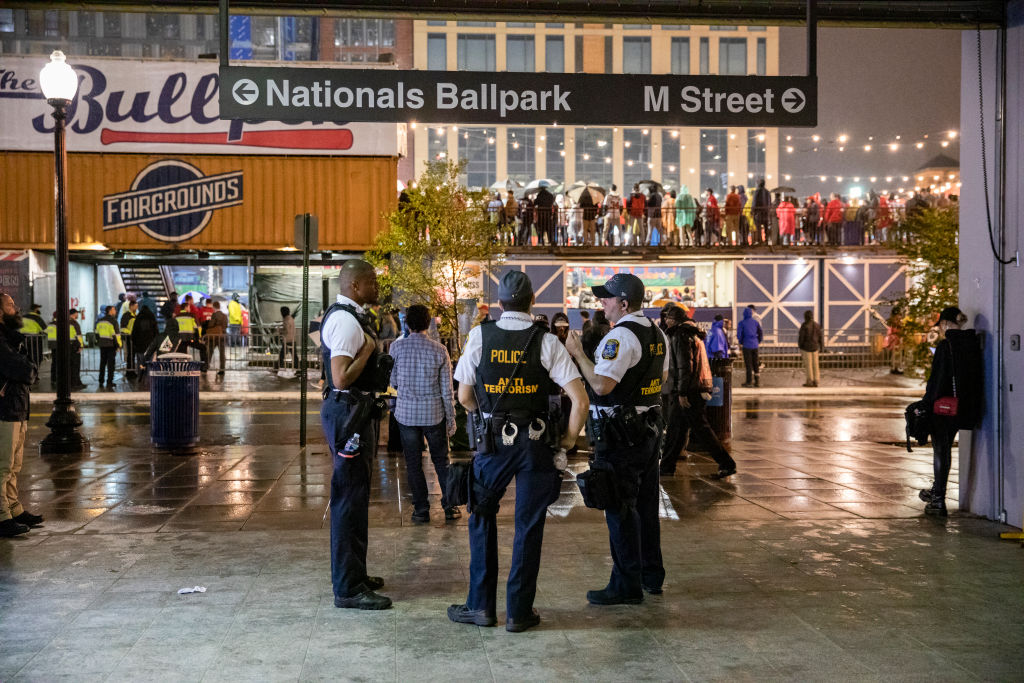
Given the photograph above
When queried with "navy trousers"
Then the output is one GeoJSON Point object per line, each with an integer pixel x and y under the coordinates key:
{"type": "Point", "coordinates": [537, 487]}
{"type": "Point", "coordinates": [350, 499]}
{"type": "Point", "coordinates": [634, 531]}
{"type": "Point", "coordinates": [412, 447]}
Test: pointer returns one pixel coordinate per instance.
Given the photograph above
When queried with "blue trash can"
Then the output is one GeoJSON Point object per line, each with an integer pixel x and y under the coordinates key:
{"type": "Point", "coordinates": [174, 402]}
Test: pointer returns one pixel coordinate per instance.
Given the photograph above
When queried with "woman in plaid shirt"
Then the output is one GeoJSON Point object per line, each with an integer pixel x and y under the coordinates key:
{"type": "Point", "coordinates": [425, 408]}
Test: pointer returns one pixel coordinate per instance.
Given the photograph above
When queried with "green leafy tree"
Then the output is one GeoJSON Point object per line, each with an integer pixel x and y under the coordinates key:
{"type": "Point", "coordinates": [435, 244]}
{"type": "Point", "coordinates": [932, 254]}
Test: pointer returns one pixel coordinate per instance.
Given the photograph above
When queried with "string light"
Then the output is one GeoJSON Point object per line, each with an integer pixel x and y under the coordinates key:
{"type": "Point", "coordinates": [919, 145]}
{"type": "Point", "coordinates": [867, 148]}
{"type": "Point", "coordinates": [894, 147]}
{"type": "Point", "coordinates": [843, 137]}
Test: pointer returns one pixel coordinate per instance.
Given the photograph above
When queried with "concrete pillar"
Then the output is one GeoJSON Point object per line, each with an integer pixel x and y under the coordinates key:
{"type": "Point", "coordinates": [991, 457]}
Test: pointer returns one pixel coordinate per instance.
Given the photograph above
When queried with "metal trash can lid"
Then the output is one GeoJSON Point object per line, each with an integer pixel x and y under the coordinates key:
{"type": "Point", "coordinates": [174, 356]}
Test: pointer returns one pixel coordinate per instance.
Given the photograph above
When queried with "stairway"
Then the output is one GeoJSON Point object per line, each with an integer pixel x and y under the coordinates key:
{"type": "Point", "coordinates": [139, 278]}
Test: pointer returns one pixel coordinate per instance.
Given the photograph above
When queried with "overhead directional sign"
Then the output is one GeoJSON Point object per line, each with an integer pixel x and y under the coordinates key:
{"type": "Point", "coordinates": [385, 95]}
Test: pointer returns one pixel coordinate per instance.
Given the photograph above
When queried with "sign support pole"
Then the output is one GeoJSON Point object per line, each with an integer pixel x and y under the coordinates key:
{"type": "Point", "coordinates": [225, 33]}
{"type": "Point", "coordinates": [305, 329]}
{"type": "Point", "coordinates": [812, 38]}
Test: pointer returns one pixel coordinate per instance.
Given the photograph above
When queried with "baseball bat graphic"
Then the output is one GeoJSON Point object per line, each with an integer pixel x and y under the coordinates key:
{"type": "Point", "coordinates": [283, 139]}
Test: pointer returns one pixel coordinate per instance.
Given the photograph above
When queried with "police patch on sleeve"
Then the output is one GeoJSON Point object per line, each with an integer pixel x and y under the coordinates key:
{"type": "Point", "coordinates": [610, 350]}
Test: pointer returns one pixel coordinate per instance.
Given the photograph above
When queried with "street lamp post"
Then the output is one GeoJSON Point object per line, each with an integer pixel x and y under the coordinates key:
{"type": "Point", "coordinates": [59, 82]}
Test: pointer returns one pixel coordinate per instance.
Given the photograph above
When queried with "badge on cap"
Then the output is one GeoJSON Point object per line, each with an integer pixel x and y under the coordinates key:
{"type": "Point", "coordinates": [611, 350]}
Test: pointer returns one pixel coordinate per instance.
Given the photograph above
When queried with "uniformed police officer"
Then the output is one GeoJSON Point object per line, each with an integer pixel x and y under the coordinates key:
{"type": "Point", "coordinates": [625, 390]}
{"type": "Point", "coordinates": [350, 359]}
{"type": "Point", "coordinates": [127, 325]}
{"type": "Point", "coordinates": [506, 371]}
{"type": "Point", "coordinates": [188, 330]}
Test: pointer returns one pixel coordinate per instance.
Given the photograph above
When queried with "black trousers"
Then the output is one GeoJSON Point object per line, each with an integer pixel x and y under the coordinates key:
{"type": "Point", "coordinates": [751, 363]}
{"type": "Point", "coordinates": [634, 531]}
{"type": "Point", "coordinates": [108, 356]}
{"type": "Point", "coordinates": [944, 431]}
{"type": "Point", "coordinates": [694, 422]}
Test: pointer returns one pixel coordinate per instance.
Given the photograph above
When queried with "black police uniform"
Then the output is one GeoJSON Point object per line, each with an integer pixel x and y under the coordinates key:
{"type": "Point", "coordinates": [520, 452]}
{"type": "Point", "coordinates": [350, 482]}
{"type": "Point", "coordinates": [632, 446]}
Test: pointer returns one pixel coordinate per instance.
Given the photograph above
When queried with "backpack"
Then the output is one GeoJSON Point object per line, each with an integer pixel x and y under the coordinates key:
{"type": "Point", "coordinates": [919, 423]}
{"type": "Point", "coordinates": [703, 367]}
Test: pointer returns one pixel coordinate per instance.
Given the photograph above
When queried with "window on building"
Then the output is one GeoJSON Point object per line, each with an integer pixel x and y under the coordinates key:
{"type": "Point", "coordinates": [554, 54]}
{"type": "Point", "coordinates": [635, 27]}
{"type": "Point", "coordinates": [670, 158]}
{"type": "Point", "coordinates": [762, 56]}
{"type": "Point", "coordinates": [6, 21]}
{"type": "Point", "coordinates": [732, 56]}
{"type": "Point", "coordinates": [475, 53]}
{"type": "Point", "coordinates": [554, 153]}
{"type": "Point", "coordinates": [714, 161]}
{"type": "Point", "coordinates": [519, 53]}
{"type": "Point", "coordinates": [757, 28]}
{"type": "Point", "coordinates": [476, 23]}
{"type": "Point", "coordinates": [519, 149]}
{"type": "Point", "coordinates": [437, 143]}
{"type": "Point", "coordinates": [579, 54]}
{"type": "Point", "coordinates": [705, 49]}
{"type": "Point", "coordinates": [163, 26]}
{"type": "Point", "coordinates": [636, 55]}
{"type": "Point", "coordinates": [435, 22]}
{"type": "Point", "coordinates": [680, 55]}
{"type": "Point", "coordinates": [675, 27]}
{"type": "Point", "coordinates": [755, 155]}
{"type": "Point", "coordinates": [723, 28]}
{"type": "Point", "coordinates": [437, 52]}
{"type": "Point", "coordinates": [608, 55]}
{"type": "Point", "coordinates": [478, 147]}
{"type": "Point", "coordinates": [520, 24]}
{"type": "Point", "coordinates": [594, 155]}
{"type": "Point", "coordinates": [636, 156]}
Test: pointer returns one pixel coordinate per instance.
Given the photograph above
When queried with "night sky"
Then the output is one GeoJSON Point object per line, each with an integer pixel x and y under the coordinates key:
{"type": "Point", "coordinates": [872, 82]}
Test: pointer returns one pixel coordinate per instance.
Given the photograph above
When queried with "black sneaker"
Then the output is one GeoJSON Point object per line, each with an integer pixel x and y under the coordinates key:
{"type": "Point", "coordinates": [28, 519]}
{"type": "Point", "coordinates": [421, 517]}
{"type": "Point", "coordinates": [452, 513]}
{"type": "Point", "coordinates": [606, 597]}
{"type": "Point", "coordinates": [373, 583]}
{"type": "Point", "coordinates": [9, 529]}
{"type": "Point", "coordinates": [723, 473]}
{"type": "Point", "coordinates": [520, 625]}
{"type": "Point", "coordinates": [926, 495]}
{"type": "Point", "coordinates": [936, 506]}
{"type": "Point", "coordinates": [365, 600]}
{"type": "Point", "coordinates": [461, 614]}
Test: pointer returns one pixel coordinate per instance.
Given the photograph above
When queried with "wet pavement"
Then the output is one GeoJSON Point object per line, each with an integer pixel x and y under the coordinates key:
{"type": "Point", "coordinates": [813, 562]}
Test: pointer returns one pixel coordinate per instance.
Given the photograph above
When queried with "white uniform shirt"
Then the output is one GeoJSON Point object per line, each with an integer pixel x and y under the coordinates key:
{"type": "Point", "coordinates": [342, 333]}
{"type": "Point", "coordinates": [620, 350]}
{"type": "Point", "coordinates": [553, 356]}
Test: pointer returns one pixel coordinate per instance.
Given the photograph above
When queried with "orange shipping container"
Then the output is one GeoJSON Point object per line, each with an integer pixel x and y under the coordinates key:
{"type": "Point", "coordinates": [220, 202]}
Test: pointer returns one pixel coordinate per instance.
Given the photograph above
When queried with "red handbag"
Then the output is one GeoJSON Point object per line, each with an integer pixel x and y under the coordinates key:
{"type": "Point", "coordinates": [947, 406]}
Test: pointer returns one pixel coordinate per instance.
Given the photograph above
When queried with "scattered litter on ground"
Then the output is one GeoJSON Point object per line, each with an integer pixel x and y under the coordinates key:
{"type": "Point", "coordinates": [193, 589]}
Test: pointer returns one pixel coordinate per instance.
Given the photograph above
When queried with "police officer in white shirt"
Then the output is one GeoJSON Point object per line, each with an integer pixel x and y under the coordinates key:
{"type": "Point", "coordinates": [624, 384]}
{"type": "Point", "coordinates": [349, 357]}
{"type": "Point", "coordinates": [506, 371]}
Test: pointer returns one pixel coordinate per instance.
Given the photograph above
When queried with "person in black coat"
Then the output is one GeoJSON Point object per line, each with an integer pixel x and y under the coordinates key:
{"type": "Point", "coordinates": [956, 372]}
{"type": "Point", "coordinates": [544, 214]}
{"type": "Point", "coordinates": [144, 331]}
{"type": "Point", "coordinates": [761, 211]}
{"type": "Point", "coordinates": [17, 373]}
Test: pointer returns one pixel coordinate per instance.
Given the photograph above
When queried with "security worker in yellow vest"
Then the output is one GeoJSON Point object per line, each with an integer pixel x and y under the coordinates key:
{"type": "Point", "coordinates": [33, 326]}
{"type": "Point", "coordinates": [77, 344]}
{"type": "Point", "coordinates": [234, 321]}
{"type": "Point", "coordinates": [188, 330]}
{"type": "Point", "coordinates": [109, 339]}
{"type": "Point", "coordinates": [127, 325]}
{"type": "Point", "coordinates": [624, 381]}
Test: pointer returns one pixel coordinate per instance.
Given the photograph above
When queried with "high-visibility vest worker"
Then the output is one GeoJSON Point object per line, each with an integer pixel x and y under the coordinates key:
{"type": "Point", "coordinates": [234, 313]}
{"type": "Point", "coordinates": [186, 323]}
{"type": "Point", "coordinates": [51, 333]}
{"type": "Point", "coordinates": [31, 323]}
{"type": "Point", "coordinates": [107, 333]}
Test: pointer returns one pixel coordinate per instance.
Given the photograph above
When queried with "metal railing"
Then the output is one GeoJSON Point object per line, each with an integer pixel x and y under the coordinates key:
{"type": "Point", "coordinates": [844, 349]}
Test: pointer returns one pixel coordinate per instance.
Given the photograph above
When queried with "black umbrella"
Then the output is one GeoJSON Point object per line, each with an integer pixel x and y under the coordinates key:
{"type": "Point", "coordinates": [649, 186]}
{"type": "Point", "coordinates": [784, 188]}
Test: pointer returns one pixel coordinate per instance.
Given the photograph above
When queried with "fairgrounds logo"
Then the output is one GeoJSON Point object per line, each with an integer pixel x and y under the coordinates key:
{"type": "Point", "coordinates": [171, 200]}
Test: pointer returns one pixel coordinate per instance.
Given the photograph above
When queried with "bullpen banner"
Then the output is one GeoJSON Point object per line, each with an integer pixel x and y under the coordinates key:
{"type": "Point", "coordinates": [158, 107]}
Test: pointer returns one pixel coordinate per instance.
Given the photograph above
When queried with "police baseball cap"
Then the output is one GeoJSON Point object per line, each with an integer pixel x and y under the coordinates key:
{"type": "Point", "coordinates": [623, 285]}
{"type": "Point", "coordinates": [515, 287]}
{"type": "Point", "coordinates": [73, 311]}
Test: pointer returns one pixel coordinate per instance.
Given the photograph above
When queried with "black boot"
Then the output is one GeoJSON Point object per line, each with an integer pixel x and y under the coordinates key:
{"type": "Point", "coordinates": [936, 506]}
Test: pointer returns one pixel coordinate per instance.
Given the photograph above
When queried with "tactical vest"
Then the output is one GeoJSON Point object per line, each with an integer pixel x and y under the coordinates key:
{"type": "Point", "coordinates": [641, 385]}
{"type": "Point", "coordinates": [365, 381]}
{"type": "Point", "coordinates": [499, 355]}
{"type": "Point", "coordinates": [126, 328]}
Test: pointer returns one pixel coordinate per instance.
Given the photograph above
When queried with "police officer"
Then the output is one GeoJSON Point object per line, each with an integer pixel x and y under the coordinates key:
{"type": "Point", "coordinates": [625, 390]}
{"type": "Point", "coordinates": [109, 340]}
{"type": "Point", "coordinates": [505, 371]}
{"type": "Point", "coordinates": [350, 361]}
{"type": "Point", "coordinates": [127, 326]}
{"type": "Point", "coordinates": [77, 344]}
